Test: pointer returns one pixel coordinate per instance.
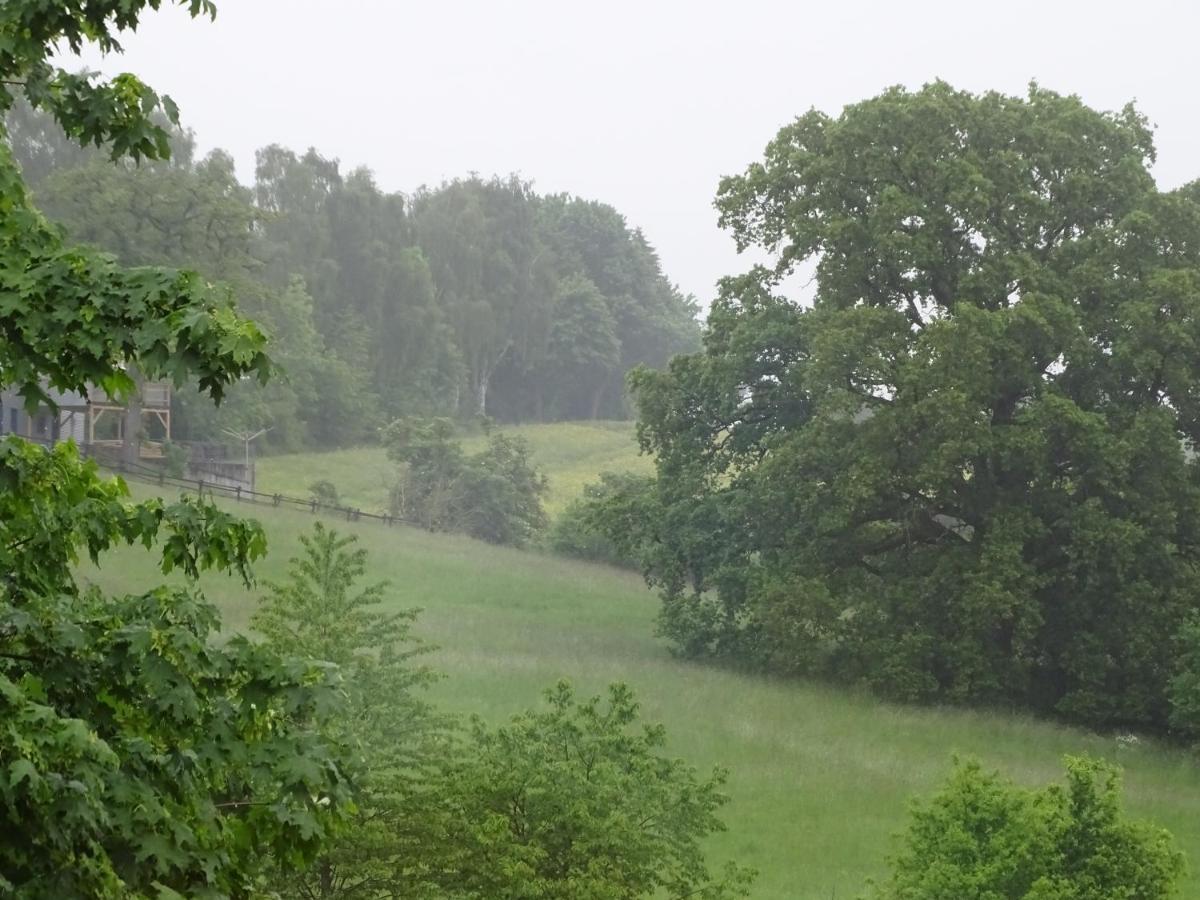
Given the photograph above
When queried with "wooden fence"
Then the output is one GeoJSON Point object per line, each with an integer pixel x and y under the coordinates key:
{"type": "Point", "coordinates": [158, 476]}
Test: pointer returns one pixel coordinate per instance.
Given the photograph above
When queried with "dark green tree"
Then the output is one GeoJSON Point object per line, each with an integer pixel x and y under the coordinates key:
{"type": "Point", "coordinates": [490, 270]}
{"type": "Point", "coordinates": [584, 350]}
{"type": "Point", "coordinates": [1184, 689]}
{"type": "Point", "coordinates": [960, 471]}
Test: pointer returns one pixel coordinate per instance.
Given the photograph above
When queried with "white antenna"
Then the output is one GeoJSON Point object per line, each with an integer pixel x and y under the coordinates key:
{"type": "Point", "coordinates": [246, 438]}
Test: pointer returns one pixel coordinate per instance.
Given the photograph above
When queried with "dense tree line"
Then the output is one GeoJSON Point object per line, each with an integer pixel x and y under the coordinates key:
{"type": "Point", "coordinates": [479, 296]}
{"type": "Point", "coordinates": [964, 470]}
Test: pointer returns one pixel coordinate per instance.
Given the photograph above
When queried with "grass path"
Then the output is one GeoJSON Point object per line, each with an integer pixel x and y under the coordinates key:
{"type": "Point", "coordinates": [571, 453]}
{"type": "Point", "coordinates": [820, 777]}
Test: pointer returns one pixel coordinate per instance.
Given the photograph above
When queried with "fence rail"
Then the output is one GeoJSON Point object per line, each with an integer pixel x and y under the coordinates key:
{"type": "Point", "coordinates": [158, 476]}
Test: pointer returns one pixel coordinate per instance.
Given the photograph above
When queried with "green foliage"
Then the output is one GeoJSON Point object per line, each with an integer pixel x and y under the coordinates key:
{"type": "Point", "coordinates": [960, 472]}
{"type": "Point", "coordinates": [137, 757]}
{"type": "Point", "coordinates": [980, 837]}
{"type": "Point", "coordinates": [474, 294]}
{"type": "Point", "coordinates": [608, 523]}
{"type": "Point", "coordinates": [567, 802]}
{"type": "Point", "coordinates": [139, 753]}
{"type": "Point", "coordinates": [494, 495]}
{"type": "Point", "coordinates": [325, 492]}
{"type": "Point", "coordinates": [573, 801]}
{"type": "Point", "coordinates": [71, 317]}
{"type": "Point", "coordinates": [175, 459]}
{"type": "Point", "coordinates": [826, 773]}
{"type": "Point", "coordinates": [583, 344]}
{"type": "Point", "coordinates": [396, 736]}
{"type": "Point", "coordinates": [1184, 689]}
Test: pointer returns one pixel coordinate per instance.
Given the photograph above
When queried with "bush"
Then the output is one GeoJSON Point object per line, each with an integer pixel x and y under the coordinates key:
{"type": "Point", "coordinates": [984, 837]}
{"type": "Point", "coordinates": [175, 460]}
{"type": "Point", "coordinates": [1184, 692]}
{"type": "Point", "coordinates": [607, 523]}
{"type": "Point", "coordinates": [578, 530]}
{"type": "Point", "coordinates": [325, 493]}
{"type": "Point", "coordinates": [495, 495]}
{"type": "Point", "coordinates": [578, 800]}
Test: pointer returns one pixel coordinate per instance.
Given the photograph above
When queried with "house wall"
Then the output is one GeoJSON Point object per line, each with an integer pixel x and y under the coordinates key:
{"type": "Point", "coordinates": [69, 421]}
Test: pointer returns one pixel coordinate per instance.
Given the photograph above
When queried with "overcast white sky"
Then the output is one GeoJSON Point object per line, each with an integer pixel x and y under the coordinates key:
{"type": "Point", "coordinates": [643, 105]}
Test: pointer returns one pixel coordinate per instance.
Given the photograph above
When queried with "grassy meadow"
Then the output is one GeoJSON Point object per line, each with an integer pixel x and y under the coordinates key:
{"type": "Point", "coordinates": [571, 453]}
{"type": "Point", "coordinates": [820, 777]}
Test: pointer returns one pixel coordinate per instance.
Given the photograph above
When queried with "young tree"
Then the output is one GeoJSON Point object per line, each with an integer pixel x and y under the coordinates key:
{"type": "Point", "coordinates": [960, 473]}
{"type": "Point", "coordinates": [319, 613]}
{"type": "Point", "coordinates": [140, 758]}
{"type": "Point", "coordinates": [981, 837]}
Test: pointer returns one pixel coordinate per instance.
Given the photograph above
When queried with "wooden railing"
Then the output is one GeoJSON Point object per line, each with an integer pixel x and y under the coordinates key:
{"type": "Point", "coordinates": [156, 394]}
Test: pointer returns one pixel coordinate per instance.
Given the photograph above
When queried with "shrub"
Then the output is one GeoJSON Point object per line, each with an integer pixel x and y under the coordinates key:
{"type": "Point", "coordinates": [981, 837]}
{"type": "Point", "coordinates": [606, 523]}
{"type": "Point", "coordinates": [578, 800]}
{"type": "Point", "coordinates": [325, 493]}
{"type": "Point", "coordinates": [1184, 691]}
{"type": "Point", "coordinates": [175, 460]}
{"type": "Point", "coordinates": [577, 531]}
{"type": "Point", "coordinates": [495, 495]}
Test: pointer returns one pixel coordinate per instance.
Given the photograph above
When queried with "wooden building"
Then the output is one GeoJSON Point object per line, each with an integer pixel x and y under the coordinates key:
{"type": "Point", "coordinates": [92, 418]}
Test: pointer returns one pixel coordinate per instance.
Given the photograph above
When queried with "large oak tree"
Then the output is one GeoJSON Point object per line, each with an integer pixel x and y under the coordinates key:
{"type": "Point", "coordinates": [962, 468]}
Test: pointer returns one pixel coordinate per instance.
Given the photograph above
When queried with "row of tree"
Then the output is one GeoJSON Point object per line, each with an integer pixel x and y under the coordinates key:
{"type": "Point", "coordinates": [474, 297]}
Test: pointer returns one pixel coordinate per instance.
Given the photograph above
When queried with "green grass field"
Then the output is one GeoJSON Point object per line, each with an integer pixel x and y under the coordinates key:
{"type": "Point", "coordinates": [571, 453]}
{"type": "Point", "coordinates": [820, 777]}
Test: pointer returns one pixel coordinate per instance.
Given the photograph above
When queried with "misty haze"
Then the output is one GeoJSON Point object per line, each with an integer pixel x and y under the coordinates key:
{"type": "Point", "coordinates": [511, 451]}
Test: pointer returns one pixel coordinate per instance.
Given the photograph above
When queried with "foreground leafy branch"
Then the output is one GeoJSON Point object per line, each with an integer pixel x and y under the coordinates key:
{"type": "Point", "coordinates": [138, 757]}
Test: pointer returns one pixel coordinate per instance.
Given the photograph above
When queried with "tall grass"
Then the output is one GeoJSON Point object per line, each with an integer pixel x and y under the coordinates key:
{"type": "Point", "coordinates": [820, 777]}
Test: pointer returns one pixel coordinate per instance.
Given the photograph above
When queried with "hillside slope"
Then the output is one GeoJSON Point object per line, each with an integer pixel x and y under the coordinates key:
{"type": "Point", "coordinates": [571, 453]}
{"type": "Point", "coordinates": [820, 778]}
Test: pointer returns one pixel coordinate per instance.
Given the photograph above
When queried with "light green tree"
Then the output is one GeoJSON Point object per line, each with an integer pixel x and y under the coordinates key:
{"type": "Point", "coordinates": [320, 612]}
{"type": "Point", "coordinates": [982, 837]}
{"type": "Point", "coordinates": [577, 799]}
